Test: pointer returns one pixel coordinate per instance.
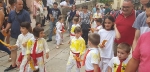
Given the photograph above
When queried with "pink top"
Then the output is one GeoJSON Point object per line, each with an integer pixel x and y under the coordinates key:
{"type": "Point", "coordinates": [142, 52]}
{"type": "Point", "coordinates": [36, 5]}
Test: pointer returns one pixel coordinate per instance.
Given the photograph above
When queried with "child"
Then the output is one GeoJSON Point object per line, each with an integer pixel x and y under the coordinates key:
{"type": "Point", "coordinates": [38, 24]}
{"type": "Point", "coordinates": [36, 47]}
{"type": "Point", "coordinates": [77, 49]}
{"type": "Point", "coordinates": [59, 31]}
{"type": "Point", "coordinates": [119, 63]}
{"type": "Point", "coordinates": [21, 43]}
{"type": "Point", "coordinates": [108, 35]}
{"type": "Point", "coordinates": [75, 24]}
{"type": "Point", "coordinates": [99, 26]}
{"type": "Point", "coordinates": [92, 56]}
{"type": "Point", "coordinates": [96, 16]}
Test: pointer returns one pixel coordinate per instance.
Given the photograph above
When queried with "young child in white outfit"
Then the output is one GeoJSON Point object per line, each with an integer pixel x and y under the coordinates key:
{"type": "Point", "coordinates": [92, 56]}
{"type": "Point", "coordinates": [37, 47]}
{"type": "Point", "coordinates": [108, 35]}
{"type": "Point", "coordinates": [21, 43]}
{"type": "Point", "coordinates": [98, 25]}
{"type": "Point", "coordinates": [59, 31]}
{"type": "Point", "coordinates": [119, 63]}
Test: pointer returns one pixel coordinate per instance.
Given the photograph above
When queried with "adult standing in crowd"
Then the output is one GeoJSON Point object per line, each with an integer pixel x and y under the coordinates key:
{"type": "Point", "coordinates": [44, 3]}
{"type": "Point", "coordinates": [54, 13]}
{"type": "Point", "coordinates": [140, 23]}
{"type": "Point", "coordinates": [140, 57]}
{"type": "Point", "coordinates": [86, 20]}
{"type": "Point", "coordinates": [9, 9]}
{"type": "Point", "coordinates": [15, 18]}
{"type": "Point", "coordinates": [49, 6]}
{"type": "Point", "coordinates": [38, 12]}
{"type": "Point", "coordinates": [107, 10]}
{"type": "Point", "coordinates": [102, 10]}
{"type": "Point", "coordinates": [124, 22]}
{"type": "Point", "coordinates": [94, 8]}
{"type": "Point", "coordinates": [72, 13]}
{"type": "Point", "coordinates": [2, 17]}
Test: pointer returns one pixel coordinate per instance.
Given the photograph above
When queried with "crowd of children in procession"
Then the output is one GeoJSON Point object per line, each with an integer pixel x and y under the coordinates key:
{"type": "Point", "coordinates": [96, 56]}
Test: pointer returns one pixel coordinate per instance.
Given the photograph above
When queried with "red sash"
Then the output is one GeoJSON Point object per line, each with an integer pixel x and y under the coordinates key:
{"type": "Point", "coordinates": [72, 34]}
{"type": "Point", "coordinates": [36, 56]}
{"type": "Point", "coordinates": [78, 62]}
{"type": "Point", "coordinates": [99, 70]}
{"type": "Point", "coordinates": [20, 57]}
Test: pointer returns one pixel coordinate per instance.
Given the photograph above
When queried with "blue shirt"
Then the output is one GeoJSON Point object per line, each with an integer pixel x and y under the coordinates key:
{"type": "Point", "coordinates": [16, 19]}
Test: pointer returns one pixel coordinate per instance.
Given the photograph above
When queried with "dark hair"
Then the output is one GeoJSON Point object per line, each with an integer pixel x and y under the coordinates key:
{"type": "Point", "coordinates": [129, 1]}
{"type": "Point", "coordinates": [110, 18]}
{"type": "Point", "coordinates": [148, 5]}
{"type": "Point", "coordinates": [77, 29]}
{"type": "Point", "coordinates": [99, 20]}
{"type": "Point", "coordinates": [97, 9]}
{"type": "Point", "coordinates": [37, 30]}
{"type": "Point", "coordinates": [27, 25]}
{"type": "Point", "coordinates": [11, 2]}
{"type": "Point", "coordinates": [76, 19]}
{"type": "Point", "coordinates": [84, 7]}
{"type": "Point", "coordinates": [73, 5]}
{"type": "Point", "coordinates": [125, 47]}
{"type": "Point", "coordinates": [1, 1]}
{"type": "Point", "coordinates": [106, 4]}
{"type": "Point", "coordinates": [60, 17]}
{"type": "Point", "coordinates": [55, 3]}
{"type": "Point", "coordinates": [94, 38]}
{"type": "Point", "coordinates": [37, 23]}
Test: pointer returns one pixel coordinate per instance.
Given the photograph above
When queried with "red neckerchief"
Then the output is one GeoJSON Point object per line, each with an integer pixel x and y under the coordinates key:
{"type": "Point", "coordinates": [120, 65]}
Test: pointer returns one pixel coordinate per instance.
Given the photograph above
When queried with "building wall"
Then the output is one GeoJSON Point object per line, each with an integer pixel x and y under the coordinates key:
{"type": "Point", "coordinates": [117, 4]}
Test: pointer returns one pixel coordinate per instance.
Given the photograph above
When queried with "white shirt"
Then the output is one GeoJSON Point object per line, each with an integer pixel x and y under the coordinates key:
{"type": "Point", "coordinates": [21, 40]}
{"type": "Point", "coordinates": [115, 62]}
{"type": "Point", "coordinates": [64, 3]}
{"type": "Point", "coordinates": [97, 15]}
{"type": "Point", "coordinates": [59, 27]}
{"type": "Point", "coordinates": [42, 45]}
{"type": "Point", "coordinates": [93, 57]}
{"type": "Point", "coordinates": [98, 27]}
{"type": "Point", "coordinates": [50, 3]}
{"type": "Point", "coordinates": [107, 51]}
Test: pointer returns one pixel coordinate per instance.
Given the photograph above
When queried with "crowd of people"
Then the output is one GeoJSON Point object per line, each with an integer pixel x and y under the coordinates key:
{"type": "Point", "coordinates": [100, 40]}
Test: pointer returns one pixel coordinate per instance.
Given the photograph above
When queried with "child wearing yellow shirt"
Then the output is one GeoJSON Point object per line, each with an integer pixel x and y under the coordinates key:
{"type": "Point", "coordinates": [75, 24]}
{"type": "Point", "coordinates": [77, 48]}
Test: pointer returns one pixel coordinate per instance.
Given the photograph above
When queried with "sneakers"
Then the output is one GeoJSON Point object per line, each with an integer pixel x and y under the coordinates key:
{"type": "Point", "coordinates": [10, 68]}
{"type": "Point", "coordinates": [49, 40]}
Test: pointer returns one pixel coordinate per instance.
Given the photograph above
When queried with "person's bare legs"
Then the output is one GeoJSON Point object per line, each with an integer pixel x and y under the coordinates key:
{"type": "Point", "coordinates": [14, 57]}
